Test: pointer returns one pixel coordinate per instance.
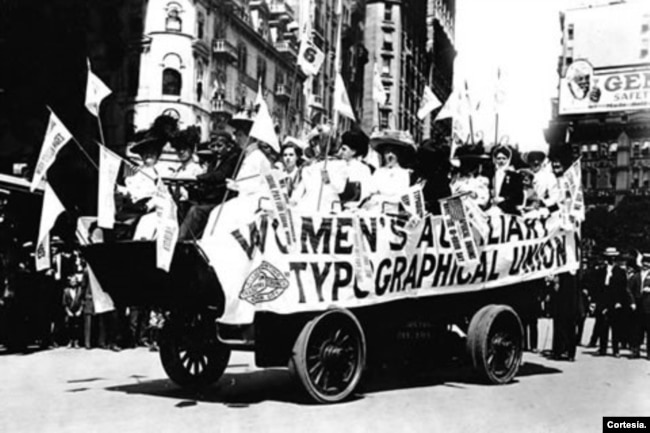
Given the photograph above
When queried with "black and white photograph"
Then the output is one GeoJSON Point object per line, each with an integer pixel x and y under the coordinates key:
{"type": "Point", "coordinates": [383, 216]}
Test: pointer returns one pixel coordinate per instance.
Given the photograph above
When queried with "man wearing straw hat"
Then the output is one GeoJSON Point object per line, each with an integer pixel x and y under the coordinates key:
{"type": "Point", "coordinates": [611, 296]}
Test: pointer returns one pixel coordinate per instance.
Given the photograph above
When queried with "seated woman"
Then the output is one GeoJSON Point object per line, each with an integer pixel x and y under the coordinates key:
{"type": "Point", "coordinates": [507, 186]}
{"type": "Point", "coordinates": [391, 180]}
{"type": "Point", "coordinates": [188, 167]}
{"type": "Point", "coordinates": [468, 178]}
{"type": "Point", "coordinates": [432, 166]}
{"type": "Point", "coordinates": [139, 190]}
{"type": "Point", "coordinates": [354, 172]}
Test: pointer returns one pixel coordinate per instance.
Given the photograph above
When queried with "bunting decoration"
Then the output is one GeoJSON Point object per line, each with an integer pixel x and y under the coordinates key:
{"type": "Point", "coordinates": [263, 128]}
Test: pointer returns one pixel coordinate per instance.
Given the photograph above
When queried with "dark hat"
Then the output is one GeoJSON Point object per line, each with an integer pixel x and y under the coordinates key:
{"type": "Point", "coordinates": [533, 156]}
{"type": "Point", "coordinates": [187, 138]}
{"type": "Point", "coordinates": [471, 152]}
{"type": "Point", "coordinates": [357, 141]}
{"type": "Point", "coordinates": [561, 153]}
{"type": "Point", "coordinates": [403, 140]}
{"type": "Point", "coordinates": [243, 121]}
{"type": "Point", "coordinates": [163, 129]}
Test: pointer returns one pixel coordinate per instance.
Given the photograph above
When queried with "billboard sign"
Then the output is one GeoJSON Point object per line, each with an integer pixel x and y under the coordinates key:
{"type": "Point", "coordinates": [584, 89]}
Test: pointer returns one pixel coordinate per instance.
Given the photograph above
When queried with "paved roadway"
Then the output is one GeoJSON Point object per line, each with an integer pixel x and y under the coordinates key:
{"type": "Point", "coordinates": [68, 390]}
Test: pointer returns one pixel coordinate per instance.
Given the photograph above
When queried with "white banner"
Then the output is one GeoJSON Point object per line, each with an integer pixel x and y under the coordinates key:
{"type": "Point", "coordinates": [258, 273]}
{"type": "Point", "coordinates": [43, 254]}
{"type": "Point", "coordinates": [109, 166]}
{"type": "Point", "coordinates": [56, 136]}
{"type": "Point", "coordinates": [281, 207]}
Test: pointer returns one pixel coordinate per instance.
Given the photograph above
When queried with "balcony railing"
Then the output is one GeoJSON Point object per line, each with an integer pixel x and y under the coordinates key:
{"type": "Point", "coordinates": [287, 49]}
{"type": "Point", "coordinates": [222, 107]}
{"type": "Point", "coordinates": [225, 49]}
{"type": "Point", "coordinates": [316, 101]}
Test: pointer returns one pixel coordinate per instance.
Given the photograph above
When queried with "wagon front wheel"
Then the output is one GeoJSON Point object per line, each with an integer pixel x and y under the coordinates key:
{"type": "Point", "coordinates": [190, 352]}
{"type": "Point", "coordinates": [494, 342]}
{"type": "Point", "coordinates": [329, 356]}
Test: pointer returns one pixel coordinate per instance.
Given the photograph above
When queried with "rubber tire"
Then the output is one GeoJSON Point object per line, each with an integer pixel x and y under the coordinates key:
{"type": "Point", "coordinates": [481, 336]}
{"type": "Point", "coordinates": [175, 336]}
{"type": "Point", "coordinates": [299, 360]}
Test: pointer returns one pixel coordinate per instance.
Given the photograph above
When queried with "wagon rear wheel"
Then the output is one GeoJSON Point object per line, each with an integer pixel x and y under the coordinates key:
{"type": "Point", "coordinates": [494, 342]}
{"type": "Point", "coordinates": [329, 356]}
{"type": "Point", "coordinates": [190, 352]}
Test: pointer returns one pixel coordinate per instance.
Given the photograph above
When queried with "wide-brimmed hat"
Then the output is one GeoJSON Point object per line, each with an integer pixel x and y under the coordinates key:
{"type": "Point", "coordinates": [403, 140]}
{"type": "Point", "coordinates": [242, 120]}
{"type": "Point", "coordinates": [187, 138]}
{"type": "Point", "coordinates": [503, 150]}
{"type": "Point", "coordinates": [534, 156]}
{"type": "Point", "coordinates": [357, 141]}
{"type": "Point", "coordinates": [145, 143]}
{"type": "Point", "coordinates": [611, 252]}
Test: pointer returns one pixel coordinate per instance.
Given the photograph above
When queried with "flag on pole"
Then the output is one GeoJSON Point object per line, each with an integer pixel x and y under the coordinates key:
{"type": "Point", "coordinates": [449, 109]}
{"type": "Point", "coordinates": [429, 103]}
{"type": "Point", "coordinates": [109, 167]}
{"type": "Point", "coordinates": [56, 136]}
{"type": "Point", "coordinates": [50, 211]}
{"type": "Point", "coordinates": [499, 92]}
{"type": "Point", "coordinates": [341, 99]}
{"type": "Point", "coordinates": [96, 91]}
{"type": "Point", "coordinates": [378, 89]}
{"type": "Point", "coordinates": [263, 128]}
{"type": "Point", "coordinates": [310, 57]}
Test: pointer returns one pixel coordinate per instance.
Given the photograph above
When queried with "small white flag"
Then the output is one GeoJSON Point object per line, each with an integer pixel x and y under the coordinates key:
{"type": "Point", "coordinates": [96, 91]}
{"type": "Point", "coordinates": [341, 99]}
{"type": "Point", "coordinates": [378, 89]}
{"type": "Point", "coordinates": [167, 230]}
{"type": "Point", "coordinates": [56, 136]}
{"type": "Point", "coordinates": [109, 166]}
{"type": "Point", "coordinates": [429, 103]}
{"type": "Point", "coordinates": [310, 57]}
{"type": "Point", "coordinates": [50, 211]}
{"type": "Point", "coordinates": [263, 128]}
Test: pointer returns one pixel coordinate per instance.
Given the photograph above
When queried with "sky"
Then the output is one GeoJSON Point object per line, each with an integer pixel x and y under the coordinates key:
{"type": "Point", "coordinates": [523, 39]}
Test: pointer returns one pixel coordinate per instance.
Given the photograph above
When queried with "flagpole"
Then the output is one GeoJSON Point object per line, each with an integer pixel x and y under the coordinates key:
{"type": "Point", "coordinates": [469, 113]}
{"type": "Point", "coordinates": [337, 71]}
{"type": "Point", "coordinates": [496, 128]}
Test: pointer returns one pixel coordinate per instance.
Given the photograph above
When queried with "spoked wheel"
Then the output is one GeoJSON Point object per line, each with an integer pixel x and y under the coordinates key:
{"type": "Point", "coordinates": [190, 352]}
{"type": "Point", "coordinates": [494, 342]}
{"type": "Point", "coordinates": [329, 356]}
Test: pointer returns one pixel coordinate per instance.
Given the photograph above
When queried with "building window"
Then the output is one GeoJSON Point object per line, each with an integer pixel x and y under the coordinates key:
{"type": "Point", "coordinates": [385, 66]}
{"type": "Point", "coordinates": [569, 32]}
{"type": "Point", "coordinates": [242, 55]}
{"type": "Point", "coordinates": [388, 41]}
{"type": "Point", "coordinates": [171, 82]}
{"type": "Point", "coordinates": [173, 22]}
{"type": "Point", "coordinates": [636, 149]}
{"type": "Point", "coordinates": [644, 53]}
{"type": "Point", "coordinates": [388, 12]}
{"type": "Point", "coordinates": [383, 119]}
{"type": "Point", "coordinates": [261, 71]}
{"type": "Point", "coordinates": [645, 28]}
{"type": "Point", "coordinates": [200, 25]}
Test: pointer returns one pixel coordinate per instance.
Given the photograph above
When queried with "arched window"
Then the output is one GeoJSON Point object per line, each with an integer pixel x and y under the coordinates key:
{"type": "Point", "coordinates": [173, 22]}
{"type": "Point", "coordinates": [171, 83]}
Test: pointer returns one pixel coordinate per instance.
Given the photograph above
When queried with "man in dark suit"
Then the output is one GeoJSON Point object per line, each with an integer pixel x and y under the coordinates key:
{"type": "Point", "coordinates": [612, 296]}
{"type": "Point", "coordinates": [639, 285]}
{"type": "Point", "coordinates": [507, 184]}
{"type": "Point", "coordinates": [212, 184]}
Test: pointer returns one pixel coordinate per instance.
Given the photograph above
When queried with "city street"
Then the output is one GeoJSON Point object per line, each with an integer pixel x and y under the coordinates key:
{"type": "Point", "coordinates": [67, 390]}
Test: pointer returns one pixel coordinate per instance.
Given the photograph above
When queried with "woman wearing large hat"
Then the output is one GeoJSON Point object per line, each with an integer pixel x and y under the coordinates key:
{"type": "Point", "coordinates": [468, 178]}
{"type": "Point", "coordinates": [396, 149]}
